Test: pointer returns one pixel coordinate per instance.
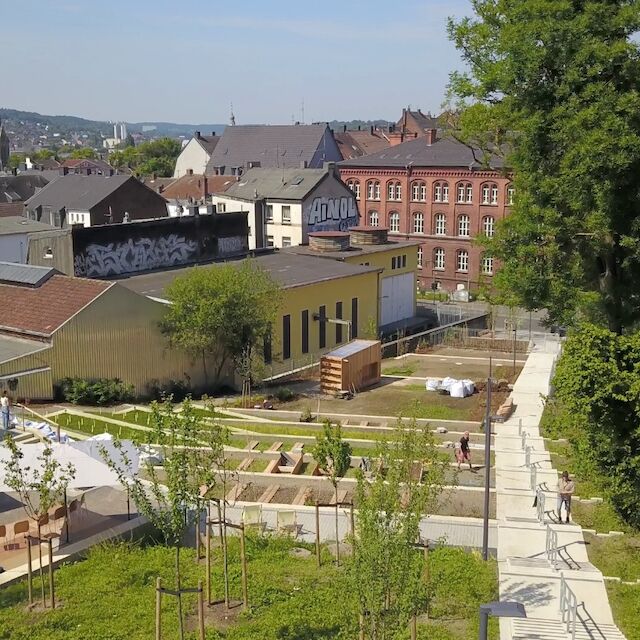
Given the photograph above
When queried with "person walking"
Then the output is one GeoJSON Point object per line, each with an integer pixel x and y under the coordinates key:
{"type": "Point", "coordinates": [4, 410]}
{"type": "Point", "coordinates": [566, 487]}
{"type": "Point", "coordinates": [465, 451]}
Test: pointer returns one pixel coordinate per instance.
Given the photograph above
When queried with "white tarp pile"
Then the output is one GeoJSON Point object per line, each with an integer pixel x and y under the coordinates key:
{"type": "Point", "coordinates": [454, 387]}
{"type": "Point", "coordinates": [46, 430]}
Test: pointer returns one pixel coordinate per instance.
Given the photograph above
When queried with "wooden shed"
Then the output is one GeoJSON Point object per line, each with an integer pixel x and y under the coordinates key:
{"type": "Point", "coordinates": [351, 367]}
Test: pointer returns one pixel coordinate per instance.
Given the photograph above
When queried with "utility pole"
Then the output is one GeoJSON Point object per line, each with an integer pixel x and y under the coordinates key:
{"type": "Point", "coordinates": [487, 473]}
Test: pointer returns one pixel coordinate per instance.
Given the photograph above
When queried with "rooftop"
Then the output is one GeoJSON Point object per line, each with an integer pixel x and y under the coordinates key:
{"type": "Point", "coordinates": [353, 250]}
{"type": "Point", "coordinates": [196, 186]}
{"type": "Point", "coordinates": [12, 347]}
{"type": "Point", "coordinates": [277, 184]}
{"type": "Point", "coordinates": [18, 224]}
{"type": "Point", "coordinates": [208, 143]}
{"type": "Point", "coordinates": [21, 187]}
{"type": "Point", "coordinates": [288, 269]}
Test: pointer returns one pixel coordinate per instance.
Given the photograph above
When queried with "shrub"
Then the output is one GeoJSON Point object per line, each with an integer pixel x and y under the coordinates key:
{"type": "Point", "coordinates": [178, 389]}
{"type": "Point", "coordinates": [284, 394]}
{"type": "Point", "coordinates": [100, 391]}
{"type": "Point", "coordinates": [306, 415]}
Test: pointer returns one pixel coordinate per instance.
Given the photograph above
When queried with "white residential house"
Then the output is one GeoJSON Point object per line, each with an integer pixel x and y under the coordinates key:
{"type": "Point", "coordinates": [285, 205]}
{"type": "Point", "coordinates": [195, 154]}
{"type": "Point", "coordinates": [14, 237]}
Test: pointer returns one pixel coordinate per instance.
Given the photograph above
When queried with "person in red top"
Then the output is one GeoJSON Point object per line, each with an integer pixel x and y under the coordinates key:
{"type": "Point", "coordinates": [464, 451]}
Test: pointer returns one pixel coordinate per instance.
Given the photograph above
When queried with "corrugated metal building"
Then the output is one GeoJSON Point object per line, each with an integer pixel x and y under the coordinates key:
{"type": "Point", "coordinates": [53, 326]}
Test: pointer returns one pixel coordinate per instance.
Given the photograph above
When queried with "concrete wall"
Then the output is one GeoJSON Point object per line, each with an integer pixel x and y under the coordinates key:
{"type": "Point", "coordinates": [52, 249]}
{"type": "Point", "coordinates": [329, 207]}
{"type": "Point", "coordinates": [192, 156]}
{"type": "Point", "coordinates": [14, 247]}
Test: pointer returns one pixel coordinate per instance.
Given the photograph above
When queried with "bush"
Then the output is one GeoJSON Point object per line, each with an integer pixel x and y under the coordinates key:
{"type": "Point", "coordinates": [98, 392]}
{"type": "Point", "coordinates": [178, 389]}
{"type": "Point", "coordinates": [284, 394]}
{"type": "Point", "coordinates": [306, 415]}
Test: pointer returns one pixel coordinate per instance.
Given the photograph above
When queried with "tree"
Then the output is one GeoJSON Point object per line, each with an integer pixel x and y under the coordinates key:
{"type": "Point", "coordinates": [386, 572]}
{"type": "Point", "coordinates": [39, 488]}
{"type": "Point", "coordinates": [554, 88]}
{"type": "Point", "coordinates": [217, 313]}
{"type": "Point", "coordinates": [192, 451]}
{"type": "Point", "coordinates": [83, 153]}
{"type": "Point", "coordinates": [156, 156]}
{"type": "Point", "coordinates": [597, 402]}
{"type": "Point", "coordinates": [333, 456]}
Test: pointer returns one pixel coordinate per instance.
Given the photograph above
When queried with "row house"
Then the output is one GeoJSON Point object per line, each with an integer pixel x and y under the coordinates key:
{"type": "Point", "coordinates": [435, 191]}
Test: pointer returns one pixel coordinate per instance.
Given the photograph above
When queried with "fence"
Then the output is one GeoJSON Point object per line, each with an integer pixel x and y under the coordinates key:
{"type": "Point", "coordinates": [540, 500]}
{"type": "Point", "coordinates": [551, 546]}
{"type": "Point", "coordinates": [568, 607]}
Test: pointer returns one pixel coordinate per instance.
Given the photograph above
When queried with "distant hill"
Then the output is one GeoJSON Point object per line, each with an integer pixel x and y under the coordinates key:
{"type": "Point", "coordinates": [66, 124]}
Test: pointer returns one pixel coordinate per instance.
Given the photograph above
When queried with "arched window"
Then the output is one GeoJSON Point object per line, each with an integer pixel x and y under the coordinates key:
{"type": "Point", "coordinates": [462, 260]}
{"type": "Point", "coordinates": [394, 191]}
{"type": "Point", "coordinates": [440, 224]}
{"type": "Point", "coordinates": [419, 192]}
{"type": "Point", "coordinates": [438, 258]}
{"type": "Point", "coordinates": [418, 222]}
{"type": "Point", "coordinates": [394, 222]}
{"type": "Point", "coordinates": [420, 257]}
{"type": "Point", "coordinates": [487, 265]}
{"type": "Point", "coordinates": [489, 193]}
{"type": "Point", "coordinates": [441, 192]}
{"type": "Point", "coordinates": [373, 190]}
{"type": "Point", "coordinates": [465, 193]}
{"type": "Point", "coordinates": [511, 192]}
{"type": "Point", "coordinates": [463, 226]}
{"type": "Point", "coordinates": [373, 218]}
{"type": "Point", "coordinates": [354, 185]}
{"type": "Point", "coordinates": [488, 226]}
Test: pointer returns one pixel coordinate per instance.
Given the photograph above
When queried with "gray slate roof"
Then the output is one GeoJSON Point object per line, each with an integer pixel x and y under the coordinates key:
{"type": "Point", "coordinates": [75, 191]}
{"type": "Point", "coordinates": [444, 152]}
{"type": "Point", "coordinates": [287, 269]}
{"type": "Point", "coordinates": [208, 143]}
{"type": "Point", "coordinates": [21, 187]}
{"type": "Point", "coordinates": [270, 145]}
{"type": "Point", "coordinates": [19, 224]}
{"type": "Point", "coordinates": [277, 184]}
{"type": "Point", "coordinates": [13, 273]}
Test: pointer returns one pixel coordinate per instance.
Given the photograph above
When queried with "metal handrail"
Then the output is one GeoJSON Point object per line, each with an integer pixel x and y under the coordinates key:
{"type": "Point", "coordinates": [40, 418]}
{"type": "Point", "coordinates": [568, 607]}
{"type": "Point", "coordinates": [551, 546]}
{"type": "Point", "coordinates": [540, 499]}
{"type": "Point", "coordinates": [534, 477]}
{"type": "Point", "coordinates": [527, 456]}
{"type": "Point", "coordinates": [523, 435]}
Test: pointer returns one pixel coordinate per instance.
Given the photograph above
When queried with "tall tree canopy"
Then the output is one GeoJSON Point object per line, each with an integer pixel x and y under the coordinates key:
{"type": "Point", "coordinates": [217, 313]}
{"type": "Point", "coordinates": [156, 156]}
{"type": "Point", "coordinates": [558, 81]}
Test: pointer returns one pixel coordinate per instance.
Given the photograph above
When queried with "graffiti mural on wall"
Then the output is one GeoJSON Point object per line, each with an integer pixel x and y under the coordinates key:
{"type": "Point", "coordinates": [231, 245]}
{"type": "Point", "coordinates": [332, 214]}
{"type": "Point", "coordinates": [117, 258]}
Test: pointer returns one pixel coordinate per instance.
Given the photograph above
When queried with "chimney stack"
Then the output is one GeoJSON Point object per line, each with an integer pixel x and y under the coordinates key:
{"type": "Point", "coordinates": [189, 172]}
{"type": "Point", "coordinates": [196, 135]}
{"type": "Point", "coordinates": [432, 136]}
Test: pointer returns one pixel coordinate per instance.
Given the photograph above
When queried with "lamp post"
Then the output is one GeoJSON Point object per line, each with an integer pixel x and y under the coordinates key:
{"type": "Point", "coordinates": [487, 472]}
{"type": "Point", "coordinates": [498, 610]}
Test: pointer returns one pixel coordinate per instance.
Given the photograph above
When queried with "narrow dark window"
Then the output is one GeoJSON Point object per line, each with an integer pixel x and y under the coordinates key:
{"type": "Point", "coordinates": [339, 326]}
{"type": "Point", "coordinates": [305, 331]}
{"type": "Point", "coordinates": [286, 337]}
{"type": "Point", "coordinates": [322, 328]}
{"type": "Point", "coordinates": [267, 349]}
{"type": "Point", "coordinates": [354, 317]}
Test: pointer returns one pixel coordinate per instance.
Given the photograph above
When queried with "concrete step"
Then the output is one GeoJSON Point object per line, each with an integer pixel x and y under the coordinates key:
{"type": "Point", "coordinates": [554, 629]}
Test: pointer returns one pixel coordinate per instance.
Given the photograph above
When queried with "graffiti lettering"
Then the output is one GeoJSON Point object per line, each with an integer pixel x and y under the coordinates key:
{"type": "Point", "coordinates": [102, 260]}
{"type": "Point", "coordinates": [332, 213]}
{"type": "Point", "coordinates": [229, 246]}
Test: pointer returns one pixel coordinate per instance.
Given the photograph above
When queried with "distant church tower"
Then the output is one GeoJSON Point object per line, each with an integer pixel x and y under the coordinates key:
{"type": "Point", "coordinates": [4, 149]}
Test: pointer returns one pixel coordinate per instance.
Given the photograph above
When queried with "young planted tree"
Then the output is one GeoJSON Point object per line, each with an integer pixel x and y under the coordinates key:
{"type": "Point", "coordinates": [333, 456]}
{"type": "Point", "coordinates": [220, 313]}
{"type": "Point", "coordinates": [553, 93]}
{"type": "Point", "coordinates": [192, 450]}
{"type": "Point", "coordinates": [386, 571]}
{"type": "Point", "coordinates": [39, 488]}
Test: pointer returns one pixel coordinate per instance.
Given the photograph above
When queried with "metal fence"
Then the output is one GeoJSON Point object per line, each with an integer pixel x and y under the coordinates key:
{"type": "Point", "coordinates": [568, 607]}
{"type": "Point", "coordinates": [551, 546]}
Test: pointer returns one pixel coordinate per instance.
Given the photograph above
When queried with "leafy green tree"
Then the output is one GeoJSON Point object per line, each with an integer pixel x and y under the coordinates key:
{"type": "Point", "coordinates": [156, 156]}
{"type": "Point", "coordinates": [217, 312]}
{"type": "Point", "coordinates": [597, 407]}
{"type": "Point", "coordinates": [554, 88]}
{"type": "Point", "coordinates": [333, 456]}
{"type": "Point", "coordinates": [83, 153]}
{"type": "Point", "coordinates": [386, 572]}
{"type": "Point", "coordinates": [192, 452]}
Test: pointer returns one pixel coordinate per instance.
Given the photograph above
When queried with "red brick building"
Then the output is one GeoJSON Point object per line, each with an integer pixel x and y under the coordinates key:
{"type": "Point", "coordinates": [434, 190]}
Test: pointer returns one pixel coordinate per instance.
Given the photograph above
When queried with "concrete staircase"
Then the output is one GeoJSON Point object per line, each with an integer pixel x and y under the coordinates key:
{"type": "Point", "coordinates": [23, 437]}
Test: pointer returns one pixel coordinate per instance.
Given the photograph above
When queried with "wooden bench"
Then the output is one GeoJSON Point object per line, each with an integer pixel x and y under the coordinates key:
{"type": "Point", "coordinates": [273, 466]}
{"type": "Point", "coordinates": [301, 496]}
{"type": "Point", "coordinates": [269, 494]}
{"type": "Point", "coordinates": [276, 446]}
{"type": "Point", "coordinates": [236, 492]}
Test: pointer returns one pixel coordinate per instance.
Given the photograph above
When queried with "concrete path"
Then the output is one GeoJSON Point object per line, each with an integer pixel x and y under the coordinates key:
{"type": "Point", "coordinates": [537, 558]}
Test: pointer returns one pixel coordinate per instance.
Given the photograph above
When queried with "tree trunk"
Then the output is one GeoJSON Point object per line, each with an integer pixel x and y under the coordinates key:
{"type": "Point", "coordinates": [178, 587]}
{"type": "Point", "coordinates": [335, 487]}
{"type": "Point", "coordinates": [204, 370]}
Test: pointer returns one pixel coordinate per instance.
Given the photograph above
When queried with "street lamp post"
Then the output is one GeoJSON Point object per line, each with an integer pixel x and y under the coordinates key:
{"type": "Point", "coordinates": [498, 610]}
{"type": "Point", "coordinates": [487, 473]}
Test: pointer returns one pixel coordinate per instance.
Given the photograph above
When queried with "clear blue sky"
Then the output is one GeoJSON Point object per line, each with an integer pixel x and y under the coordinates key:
{"type": "Point", "coordinates": [186, 60]}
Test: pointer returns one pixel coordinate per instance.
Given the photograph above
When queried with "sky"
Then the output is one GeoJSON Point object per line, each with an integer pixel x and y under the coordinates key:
{"type": "Point", "coordinates": [186, 61]}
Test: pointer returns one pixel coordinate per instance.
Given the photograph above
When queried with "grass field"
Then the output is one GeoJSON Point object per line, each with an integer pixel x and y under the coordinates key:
{"type": "Point", "coordinates": [110, 596]}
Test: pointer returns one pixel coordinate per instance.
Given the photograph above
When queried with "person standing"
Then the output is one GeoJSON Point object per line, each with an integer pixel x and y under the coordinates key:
{"type": "Point", "coordinates": [465, 450]}
{"type": "Point", "coordinates": [4, 410]}
{"type": "Point", "coordinates": [566, 487]}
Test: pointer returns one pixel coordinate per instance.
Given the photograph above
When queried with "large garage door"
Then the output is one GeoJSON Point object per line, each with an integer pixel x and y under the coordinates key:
{"type": "Point", "coordinates": [398, 295]}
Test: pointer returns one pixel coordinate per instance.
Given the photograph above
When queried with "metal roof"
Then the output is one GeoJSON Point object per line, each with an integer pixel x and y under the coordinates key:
{"type": "Point", "coordinates": [19, 224]}
{"type": "Point", "coordinates": [12, 348]}
{"type": "Point", "coordinates": [276, 184]}
{"type": "Point", "coordinates": [13, 273]}
{"type": "Point", "coordinates": [350, 348]}
{"type": "Point", "coordinates": [353, 250]}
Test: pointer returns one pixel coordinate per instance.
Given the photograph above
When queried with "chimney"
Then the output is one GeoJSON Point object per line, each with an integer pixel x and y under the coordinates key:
{"type": "Point", "coordinates": [196, 135]}
{"type": "Point", "coordinates": [213, 134]}
{"type": "Point", "coordinates": [326, 241]}
{"type": "Point", "coordinates": [205, 186]}
{"type": "Point", "coordinates": [189, 172]}
{"type": "Point", "coordinates": [371, 130]}
{"type": "Point", "coordinates": [303, 164]}
{"type": "Point", "coordinates": [161, 188]}
{"type": "Point", "coordinates": [431, 136]}
{"type": "Point", "coordinates": [344, 128]}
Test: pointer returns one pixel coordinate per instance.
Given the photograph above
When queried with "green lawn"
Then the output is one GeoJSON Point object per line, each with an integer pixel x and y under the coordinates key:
{"type": "Point", "coordinates": [625, 604]}
{"type": "Point", "coordinates": [110, 596]}
{"type": "Point", "coordinates": [94, 426]}
{"type": "Point", "coordinates": [615, 555]}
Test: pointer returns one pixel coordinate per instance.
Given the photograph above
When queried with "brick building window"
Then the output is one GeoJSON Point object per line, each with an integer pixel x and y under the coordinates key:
{"type": "Point", "coordinates": [286, 241]}
{"type": "Point", "coordinates": [465, 193]}
{"type": "Point", "coordinates": [441, 192]}
{"type": "Point", "coordinates": [511, 192]}
{"type": "Point", "coordinates": [462, 261]}
{"type": "Point", "coordinates": [487, 265]}
{"type": "Point", "coordinates": [354, 185]}
{"type": "Point", "coordinates": [440, 224]}
{"type": "Point", "coordinates": [463, 226]}
{"type": "Point", "coordinates": [488, 226]}
{"type": "Point", "coordinates": [489, 193]}
{"type": "Point", "coordinates": [438, 258]}
{"type": "Point", "coordinates": [419, 192]}
{"type": "Point", "coordinates": [373, 218]}
{"type": "Point", "coordinates": [394, 191]}
{"type": "Point", "coordinates": [373, 190]}
{"type": "Point", "coordinates": [394, 222]}
{"type": "Point", "coordinates": [420, 257]}
{"type": "Point", "coordinates": [418, 223]}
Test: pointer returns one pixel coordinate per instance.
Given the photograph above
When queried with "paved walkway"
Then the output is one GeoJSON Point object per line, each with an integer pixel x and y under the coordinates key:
{"type": "Point", "coordinates": [538, 559]}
